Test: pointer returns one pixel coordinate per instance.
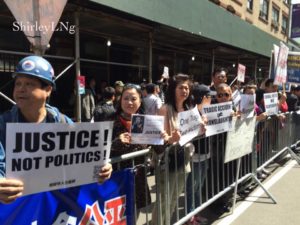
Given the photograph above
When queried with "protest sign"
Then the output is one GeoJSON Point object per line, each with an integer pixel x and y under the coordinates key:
{"type": "Point", "coordinates": [276, 53]}
{"type": "Point", "coordinates": [247, 105]}
{"type": "Point", "coordinates": [166, 72]}
{"type": "Point", "coordinates": [219, 118]}
{"type": "Point", "coordinates": [281, 65]}
{"type": "Point", "coordinates": [236, 98]}
{"type": "Point", "coordinates": [146, 129]}
{"type": "Point", "coordinates": [241, 73]}
{"type": "Point", "coordinates": [240, 139]}
{"type": "Point", "coordinates": [273, 61]}
{"type": "Point", "coordinates": [189, 125]}
{"type": "Point", "coordinates": [271, 103]}
{"type": "Point", "coordinates": [109, 203]}
{"type": "Point", "coordinates": [49, 156]}
{"type": "Point", "coordinates": [81, 85]}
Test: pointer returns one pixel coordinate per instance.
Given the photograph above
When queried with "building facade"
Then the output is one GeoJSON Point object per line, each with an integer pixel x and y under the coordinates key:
{"type": "Point", "coordinates": [191, 37]}
{"type": "Point", "coordinates": [271, 16]}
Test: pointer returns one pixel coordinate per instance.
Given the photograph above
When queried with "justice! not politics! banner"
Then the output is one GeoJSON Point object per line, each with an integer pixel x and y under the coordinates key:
{"type": "Point", "coordinates": [51, 156]}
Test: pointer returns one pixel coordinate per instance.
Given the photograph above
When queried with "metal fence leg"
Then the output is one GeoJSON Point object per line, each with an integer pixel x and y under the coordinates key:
{"type": "Point", "coordinates": [294, 155]}
{"type": "Point", "coordinates": [236, 184]}
{"type": "Point", "coordinates": [265, 190]}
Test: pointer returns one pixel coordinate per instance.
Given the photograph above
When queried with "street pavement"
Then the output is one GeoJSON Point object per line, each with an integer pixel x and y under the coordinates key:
{"type": "Point", "coordinates": [258, 208]}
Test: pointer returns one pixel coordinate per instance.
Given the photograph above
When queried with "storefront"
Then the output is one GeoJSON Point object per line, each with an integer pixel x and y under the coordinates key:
{"type": "Point", "coordinates": [119, 40]}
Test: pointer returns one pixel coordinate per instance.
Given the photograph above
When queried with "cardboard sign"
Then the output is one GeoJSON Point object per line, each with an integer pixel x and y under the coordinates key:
{"type": "Point", "coordinates": [247, 105]}
{"type": "Point", "coordinates": [189, 125]}
{"type": "Point", "coordinates": [281, 66]}
{"type": "Point", "coordinates": [236, 98]}
{"type": "Point", "coordinates": [241, 73]}
{"type": "Point", "coordinates": [146, 129]}
{"type": "Point", "coordinates": [271, 103]}
{"type": "Point", "coordinates": [219, 118]}
{"type": "Point", "coordinates": [240, 139]}
{"type": "Point", "coordinates": [81, 85]}
{"type": "Point", "coordinates": [166, 72]}
{"type": "Point", "coordinates": [49, 156]}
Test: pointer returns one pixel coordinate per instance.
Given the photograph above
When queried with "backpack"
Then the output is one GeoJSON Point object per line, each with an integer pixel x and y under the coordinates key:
{"type": "Point", "coordinates": [104, 111]}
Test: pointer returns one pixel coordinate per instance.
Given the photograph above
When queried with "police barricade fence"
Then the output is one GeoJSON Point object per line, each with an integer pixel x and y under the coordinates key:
{"type": "Point", "coordinates": [187, 186]}
{"type": "Point", "coordinates": [130, 160]}
{"type": "Point", "coordinates": [188, 179]}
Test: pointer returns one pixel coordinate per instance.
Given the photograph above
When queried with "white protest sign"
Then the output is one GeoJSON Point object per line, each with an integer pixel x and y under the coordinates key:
{"type": "Point", "coordinates": [49, 156]}
{"type": "Point", "coordinates": [271, 103]}
{"type": "Point", "coordinates": [166, 72]}
{"type": "Point", "coordinates": [247, 105]}
{"type": "Point", "coordinates": [236, 98]}
{"type": "Point", "coordinates": [281, 65]}
{"type": "Point", "coordinates": [241, 73]}
{"type": "Point", "coordinates": [146, 129]}
{"type": "Point", "coordinates": [189, 125]}
{"type": "Point", "coordinates": [276, 53]}
{"type": "Point", "coordinates": [240, 140]}
{"type": "Point", "coordinates": [219, 118]}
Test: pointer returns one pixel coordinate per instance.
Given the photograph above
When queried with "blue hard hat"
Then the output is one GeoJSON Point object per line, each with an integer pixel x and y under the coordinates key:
{"type": "Point", "coordinates": [36, 66]}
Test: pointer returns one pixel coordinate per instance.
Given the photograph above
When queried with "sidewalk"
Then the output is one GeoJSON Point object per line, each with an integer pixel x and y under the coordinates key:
{"type": "Point", "coordinates": [258, 208]}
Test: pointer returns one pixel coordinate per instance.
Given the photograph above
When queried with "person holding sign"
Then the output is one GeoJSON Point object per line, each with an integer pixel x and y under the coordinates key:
{"type": "Point", "coordinates": [178, 99]}
{"type": "Point", "coordinates": [270, 87]}
{"type": "Point", "coordinates": [224, 94]}
{"type": "Point", "coordinates": [202, 96]}
{"type": "Point", "coordinates": [130, 103]}
{"type": "Point", "coordinates": [219, 76]}
{"type": "Point", "coordinates": [292, 99]}
{"type": "Point", "coordinates": [250, 89]}
{"type": "Point", "coordinates": [34, 82]}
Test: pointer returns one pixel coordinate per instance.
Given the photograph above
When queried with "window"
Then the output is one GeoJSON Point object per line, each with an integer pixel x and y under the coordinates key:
{"type": "Point", "coordinates": [275, 16]}
{"type": "Point", "coordinates": [264, 9]}
{"type": "Point", "coordinates": [250, 5]}
{"type": "Point", "coordinates": [284, 24]}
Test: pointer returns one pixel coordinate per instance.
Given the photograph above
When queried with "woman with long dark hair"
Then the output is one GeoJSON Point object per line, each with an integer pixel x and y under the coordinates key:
{"type": "Point", "coordinates": [178, 99]}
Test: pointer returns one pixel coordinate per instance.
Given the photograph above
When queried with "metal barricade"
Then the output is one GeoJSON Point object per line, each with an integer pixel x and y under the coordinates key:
{"type": "Point", "coordinates": [190, 178]}
{"type": "Point", "coordinates": [139, 162]}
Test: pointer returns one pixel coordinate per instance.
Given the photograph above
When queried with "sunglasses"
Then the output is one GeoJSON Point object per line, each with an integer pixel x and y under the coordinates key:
{"type": "Point", "coordinates": [223, 94]}
{"type": "Point", "coordinates": [131, 85]}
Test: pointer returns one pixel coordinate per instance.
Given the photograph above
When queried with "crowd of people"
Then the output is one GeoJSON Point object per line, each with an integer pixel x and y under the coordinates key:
{"type": "Point", "coordinates": [167, 98]}
{"type": "Point", "coordinates": [179, 93]}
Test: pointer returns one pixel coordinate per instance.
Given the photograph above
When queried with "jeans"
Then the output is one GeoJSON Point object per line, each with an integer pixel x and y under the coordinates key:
{"type": "Point", "coordinates": [197, 179]}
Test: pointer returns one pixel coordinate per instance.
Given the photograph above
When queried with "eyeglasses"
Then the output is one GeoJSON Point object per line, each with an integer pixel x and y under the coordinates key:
{"type": "Point", "coordinates": [223, 94]}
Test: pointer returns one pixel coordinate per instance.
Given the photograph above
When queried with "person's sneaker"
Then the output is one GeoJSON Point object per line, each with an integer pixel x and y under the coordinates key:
{"type": "Point", "coordinates": [244, 193]}
{"type": "Point", "coordinates": [192, 221]}
{"type": "Point", "coordinates": [267, 172]}
{"type": "Point", "coordinates": [261, 176]}
{"type": "Point", "coordinates": [202, 220]}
